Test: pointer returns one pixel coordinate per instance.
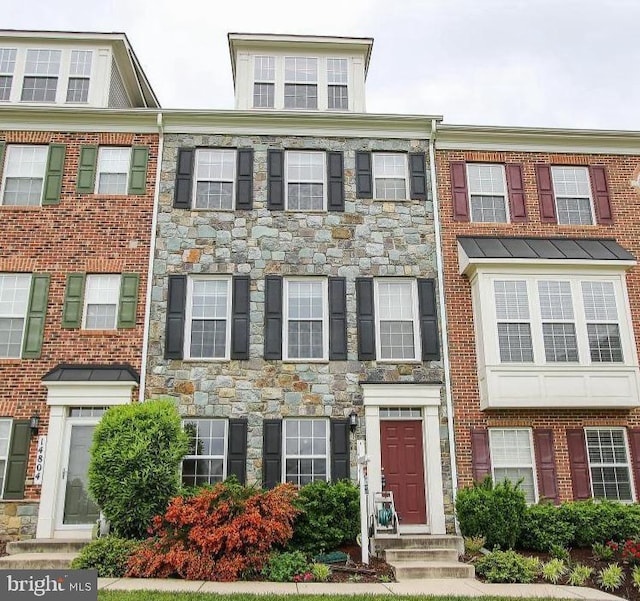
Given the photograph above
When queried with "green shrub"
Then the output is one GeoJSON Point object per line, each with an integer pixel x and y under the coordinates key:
{"type": "Point", "coordinates": [545, 526]}
{"type": "Point", "coordinates": [135, 464]}
{"type": "Point", "coordinates": [553, 570]}
{"type": "Point", "coordinates": [473, 544]}
{"type": "Point", "coordinates": [508, 566]}
{"type": "Point", "coordinates": [579, 575]}
{"type": "Point", "coordinates": [602, 551]}
{"type": "Point", "coordinates": [321, 572]}
{"type": "Point", "coordinates": [558, 552]}
{"type": "Point", "coordinates": [330, 516]}
{"type": "Point", "coordinates": [611, 577]}
{"type": "Point", "coordinates": [493, 511]}
{"type": "Point", "coordinates": [282, 567]}
{"type": "Point", "coordinates": [108, 555]}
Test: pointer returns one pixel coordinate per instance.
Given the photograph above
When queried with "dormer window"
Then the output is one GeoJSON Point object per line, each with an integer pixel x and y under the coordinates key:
{"type": "Point", "coordinates": [41, 75]}
{"type": "Point", "coordinates": [264, 82]}
{"type": "Point", "coordinates": [7, 66]}
{"type": "Point", "coordinates": [337, 90]}
{"type": "Point", "coordinates": [300, 82]}
{"type": "Point", "coordinates": [79, 74]}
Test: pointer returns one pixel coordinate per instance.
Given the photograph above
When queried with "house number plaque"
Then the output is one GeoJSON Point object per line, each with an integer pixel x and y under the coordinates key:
{"type": "Point", "coordinates": [37, 472]}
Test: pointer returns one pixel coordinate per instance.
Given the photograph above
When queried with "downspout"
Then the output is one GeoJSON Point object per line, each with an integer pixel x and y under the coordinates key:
{"type": "Point", "coordinates": [443, 315]}
{"type": "Point", "coordinates": [152, 251]}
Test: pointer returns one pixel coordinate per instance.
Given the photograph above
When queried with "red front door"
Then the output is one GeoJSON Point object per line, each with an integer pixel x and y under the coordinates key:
{"type": "Point", "coordinates": [403, 468]}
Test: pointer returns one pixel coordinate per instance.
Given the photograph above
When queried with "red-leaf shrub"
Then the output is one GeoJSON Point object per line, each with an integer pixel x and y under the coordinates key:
{"type": "Point", "coordinates": [220, 533]}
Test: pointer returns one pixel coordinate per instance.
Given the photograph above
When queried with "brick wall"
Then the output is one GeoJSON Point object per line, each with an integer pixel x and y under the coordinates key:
{"type": "Point", "coordinates": [84, 233]}
{"type": "Point", "coordinates": [625, 201]}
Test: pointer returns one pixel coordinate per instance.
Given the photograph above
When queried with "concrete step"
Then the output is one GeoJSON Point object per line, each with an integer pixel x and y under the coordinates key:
{"type": "Point", "coordinates": [420, 541]}
{"type": "Point", "coordinates": [37, 561]}
{"type": "Point", "coordinates": [46, 545]}
{"type": "Point", "coordinates": [400, 555]}
{"type": "Point", "coordinates": [413, 570]}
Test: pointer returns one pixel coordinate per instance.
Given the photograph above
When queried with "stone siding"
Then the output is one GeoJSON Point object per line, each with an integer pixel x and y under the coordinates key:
{"type": "Point", "coordinates": [18, 520]}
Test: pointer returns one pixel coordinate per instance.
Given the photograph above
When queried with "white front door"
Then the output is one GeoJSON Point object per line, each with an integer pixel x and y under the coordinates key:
{"type": "Point", "coordinates": [76, 512]}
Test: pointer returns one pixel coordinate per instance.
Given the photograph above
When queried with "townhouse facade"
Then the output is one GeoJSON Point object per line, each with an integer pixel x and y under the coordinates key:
{"type": "Point", "coordinates": [540, 245]}
{"type": "Point", "coordinates": [77, 165]}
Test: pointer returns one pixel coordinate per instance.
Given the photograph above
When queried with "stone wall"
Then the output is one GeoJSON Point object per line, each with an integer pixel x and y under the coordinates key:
{"type": "Point", "coordinates": [18, 520]}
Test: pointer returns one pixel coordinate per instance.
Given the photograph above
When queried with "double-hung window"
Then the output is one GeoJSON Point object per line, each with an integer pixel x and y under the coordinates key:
{"type": "Point", "coordinates": [300, 82]}
{"type": "Point", "coordinates": [573, 195]}
{"type": "Point", "coordinates": [390, 176]}
{"type": "Point", "coordinates": [306, 450]}
{"type": "Point", "coordinates": [512, 458]}
{"type": "Point", "coordinates": [113, 170]}
{"type": "Point", "coordinates": [7, 67]}
{"type": "Point", "coordinates": [306, 173]}
{"type": "Point", "coordinates": [397, 324]}
{"type": "Point", "coordinates": [306, 316]}
{"type": "Point", "coordinates": [24, 174]}
{"type": "Point", "coordinates": [42, 69]}
{"type": "Point", "coordinates": [264, 77]}
{"type": "Point", "coordinates": [79, 76]}
{"type": "Point", "coordinates": [204, 462]}
{"type": "Point", "coordinates": [603, 328]}
{"type": "Point", "coordinates": [101, 298]}
{"type": "Point", "coordinates": [513, 321]}
{"type": "Point", "coordinates": [487, 193]}
{"type": "Point", "coordinates": [609, 464]}
{"type": "Point", "coordinates": [215, 178]}
{"type": "Point", "coordinates": [14, 300]}
{"type": "Point", "coordinates": [558, 321]}
{"type": "Point", "coordinates": [337, 84]}
{"type": "Point", "coordinates": [208, 329]}
{"type": "Point", "coordinates": [5, 437]}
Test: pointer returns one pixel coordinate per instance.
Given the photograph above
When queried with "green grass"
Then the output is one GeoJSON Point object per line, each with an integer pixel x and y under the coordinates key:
{"type": "Point", "coordinates": [156, 596]}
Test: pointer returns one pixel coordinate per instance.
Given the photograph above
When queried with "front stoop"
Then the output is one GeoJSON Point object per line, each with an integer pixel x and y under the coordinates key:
{"type": "Point", "coordinates": [424, 556]}
{"type": "Point", "coordinates": [51, 554]}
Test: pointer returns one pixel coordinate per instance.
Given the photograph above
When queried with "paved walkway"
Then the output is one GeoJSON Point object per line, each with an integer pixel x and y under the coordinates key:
{"type": "Point", "coordinates": [442, 587]}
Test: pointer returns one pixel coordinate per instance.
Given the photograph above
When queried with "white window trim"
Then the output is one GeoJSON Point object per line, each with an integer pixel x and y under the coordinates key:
{"type": "Point", "coordinates": [10, 74]}
{"type": "Point", "coordinates": [295, 82]}
{"type": "Point", "coordinates": [515, 465]}
{"type": "Point", "coordinates": [4, 172]}
{"type": "Point", "coordinates": [24, 315]}
{"type": "Point", "coordinates": [98, 172]}
{"type": "Point", "coordinates": [348, 84]}
{"type": "Point", "coordinates": [85, 303]}
{"type": "Point", "coordinates": [226, 443]}
{"type": "Point", "coordinates": [285, 456]}
{"type": "Point", "coordinates": [70, 76]}
{"type": "Point", "coordinates": [407, 180]}
{"type": "Point", "coordinates": [628, 457]}
{"type": "Point", "coordinates": [506, 191]}
{"type": "Point", "coordinates": [324, 182]}
{"type": "Point", "coordinates": [255, 81]}
{"type": "Point", "coordinates": [189, 316]}
{"type": "Point", "coordinates": [194, 187]}
{"type": "Point", "coordinates": [325, 320]}
{"type": "Point", "coordinates": [555, 194]}
{"type": "Point", "coordinates": [417, 344]}
{"type": "Point", "coordinates": [6, 457]}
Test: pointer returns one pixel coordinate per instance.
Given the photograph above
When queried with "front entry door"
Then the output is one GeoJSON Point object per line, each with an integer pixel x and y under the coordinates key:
{"type": "Point", "coordinates": [76, 509]}
{"type": "Point", "coordinates": [403, 468]}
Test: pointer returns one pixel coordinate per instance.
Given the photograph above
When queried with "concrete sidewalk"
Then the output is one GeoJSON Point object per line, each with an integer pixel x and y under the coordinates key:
{"type": "Point", "coordinates": [441, 587]}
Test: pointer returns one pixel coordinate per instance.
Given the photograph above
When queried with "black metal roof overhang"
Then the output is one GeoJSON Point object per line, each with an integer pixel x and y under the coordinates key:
{"type": "Point", "coordinates": [587, 249]}
{"type": "Point", "coordinates": [65, 372]}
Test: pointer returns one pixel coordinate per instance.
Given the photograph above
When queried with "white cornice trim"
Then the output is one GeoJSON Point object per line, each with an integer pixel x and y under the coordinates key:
{"type": "Point", "coordinates": [530, 139]}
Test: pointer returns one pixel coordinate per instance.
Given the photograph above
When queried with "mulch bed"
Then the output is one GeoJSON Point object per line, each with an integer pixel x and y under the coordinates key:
{"type": "Point", "coordinates": [354, 570]}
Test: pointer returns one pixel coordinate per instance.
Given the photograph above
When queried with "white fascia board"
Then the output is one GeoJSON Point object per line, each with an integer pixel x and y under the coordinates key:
{"type": "Point", "coordinates": [89, 394]}
{"type": "Point", "coordinates": [405, 395]}
{"type": "Point", "coordinates": [530, 139]}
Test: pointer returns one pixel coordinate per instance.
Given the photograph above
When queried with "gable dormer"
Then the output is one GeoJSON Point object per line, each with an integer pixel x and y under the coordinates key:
{"type": "Point", "coordinates": [98, 70]}
{"type": "Point", "coordinates": [299, 73]}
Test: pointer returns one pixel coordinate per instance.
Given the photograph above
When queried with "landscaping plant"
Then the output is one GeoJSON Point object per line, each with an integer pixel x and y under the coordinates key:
{"type": "Point", "coordinates": [221, 533]}
{"type": "Point", "coordinates": [611, 577]}
{"type": "Point", "coordinates": [553, 570]}
{"type": "Point", "coordinates": [135, 464]}
{"type": "Point", "coordinates": [508, 566]}
{"type": "Point", "coordinates": [579, 575]}
{"type": "Point", "coordinates": [320, 571]}
{"type": "Point", "coordinates": [473, 544]}
{"type": "Point", "coordinates": [635, 577]}
{"type": "Point", "coordinates": [604, 551]}
{"type": "Point", "coordinates": [545, 526]}
{"type": "Point", "coordinates": [631, 552]}
{"type": "Point", "coordinates": [284, 567]}
{"type": "Point", "coordinates": [108, 555]}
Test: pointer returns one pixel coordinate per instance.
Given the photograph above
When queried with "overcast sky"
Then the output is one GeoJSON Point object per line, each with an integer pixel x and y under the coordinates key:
{"type": "Point", "coordinates": [556, 63]}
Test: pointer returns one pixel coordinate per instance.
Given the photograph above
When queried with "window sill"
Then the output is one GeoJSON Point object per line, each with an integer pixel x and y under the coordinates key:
{"type": "Point", "coordinates": [99, 333]}
{"type": "Point", "coordinates": [206, 359]}
{"type": "Point", "coordinates": [394, 200]}
{"type": "Point", "coordinates": [20, 207]}
{"type": "Point", "coordinates": [109, 196]}
{"type": "Point", "coordinates": [287, 360]}
{"type": "Point", "coordinates": [11, 361]}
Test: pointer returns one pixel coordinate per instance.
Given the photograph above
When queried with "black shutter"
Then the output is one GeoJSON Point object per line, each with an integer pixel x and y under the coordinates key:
{"type": "Point", "coordinates": [418, 176]}
{"type": "Point", "coordinates": [340, 450]}
{"type": "Point", "coordinates": [275, 180]}
{"type": "Point", "coordinates": [335, 180]}
{"type": "Point", "coordinates": [337, 319]}
{"type": "Point", "coordinates": [17, 460]}
{"type": "Point", "coordinates": [244, 189]}
{"type": "Point", "coordinates": [184, 177]}
{"type": "Point", "coordinates": [237, 449]}
{"type": "Point", "coordinates": [365, 319]}
{"type": "Point", "coordinates": [271, 452]}
{"type": "Point", "coordinates": [273, 317]}
{"type": "Point", "coordinates": [428, 320]}
{"type": "Point", "coordinates": [174, 332]}
{"type": "Point", "coordinates": [240, 317]}
{"type": "Point", "coordinates": [364, 181]}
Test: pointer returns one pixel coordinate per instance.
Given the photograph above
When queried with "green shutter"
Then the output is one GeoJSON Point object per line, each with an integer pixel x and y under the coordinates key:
{"type": "Point", "coordinates": [128, 300]}
{"type": "Point", "coordinates": [138, 172]}
{"type": "Point", "coordinates": [36, 315]}
{"type": "Point", "coordinates": [2, 147]}
{"type": "Point", "coordinates": [17, 460]}
{"type": "Point", "coordinates": [87, 169]}
{"type": "Point", "coordinates": [72, 310]}
{"type": "Point", "coordinates": [53, 178]}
